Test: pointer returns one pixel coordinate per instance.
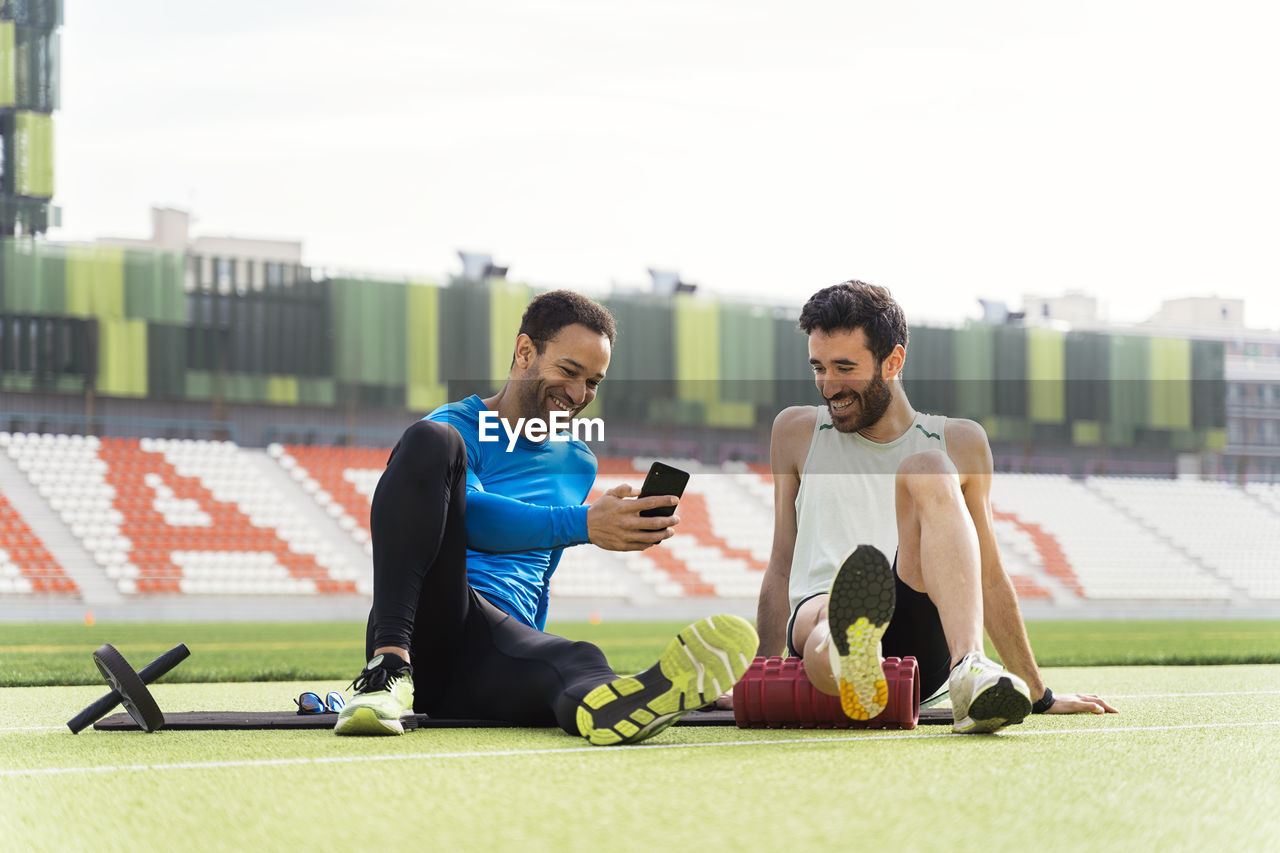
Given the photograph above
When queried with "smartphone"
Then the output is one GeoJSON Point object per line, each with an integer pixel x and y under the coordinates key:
{"type": "Point", "coordinates": [663, 480]}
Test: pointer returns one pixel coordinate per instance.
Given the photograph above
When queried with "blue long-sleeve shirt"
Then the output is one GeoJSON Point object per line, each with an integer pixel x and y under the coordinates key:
{"type": "Point", "coordinates": [524, 507]}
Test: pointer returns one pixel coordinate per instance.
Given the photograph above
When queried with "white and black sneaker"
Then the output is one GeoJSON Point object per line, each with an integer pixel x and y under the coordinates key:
{"type": "Point", "coordinates": [985, 697]}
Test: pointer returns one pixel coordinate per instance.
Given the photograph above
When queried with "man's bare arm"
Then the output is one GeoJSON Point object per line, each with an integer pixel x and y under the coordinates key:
{"type": "Point", "coordinates": [788, 443]}
{"type": "Point", "coordinates": [1002, 617]}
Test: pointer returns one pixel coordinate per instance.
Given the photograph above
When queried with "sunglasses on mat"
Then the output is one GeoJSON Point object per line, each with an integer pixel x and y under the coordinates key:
{"type": "Point", "coordinates": [311, 703]}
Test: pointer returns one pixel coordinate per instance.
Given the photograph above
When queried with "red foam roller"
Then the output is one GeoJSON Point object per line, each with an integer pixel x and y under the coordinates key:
{"type": "Point", "coordinates": [776, 693]}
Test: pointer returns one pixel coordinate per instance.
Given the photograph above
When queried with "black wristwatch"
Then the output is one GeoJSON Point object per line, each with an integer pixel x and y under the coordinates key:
{"type": "Point", "coordinates": [1044, 703]}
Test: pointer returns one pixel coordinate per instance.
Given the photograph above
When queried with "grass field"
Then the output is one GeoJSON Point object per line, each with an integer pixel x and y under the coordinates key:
{"type": "Point", "coordinates": [33, 655]}
{"type": "Point", "coordinates": [1192, 762]}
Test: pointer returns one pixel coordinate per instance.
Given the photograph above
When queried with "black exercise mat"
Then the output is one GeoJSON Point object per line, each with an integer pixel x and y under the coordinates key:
{"type": "Point", "coordinates": [219, 720]}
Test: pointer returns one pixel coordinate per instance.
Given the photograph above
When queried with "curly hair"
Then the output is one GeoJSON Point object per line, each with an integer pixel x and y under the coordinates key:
{"type": "Point", "coordinates": [857, 305]}
{"type": "Point", "coordinates": [550, 312]}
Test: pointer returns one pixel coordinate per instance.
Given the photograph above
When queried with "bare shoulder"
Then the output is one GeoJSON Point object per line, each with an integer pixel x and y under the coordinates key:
{"type": "Point", "coordinates": [794, 423]}
{"type": "Point", "coordinates": [967, 446]}
{"type": "Point", "coordinates": [789, 441]}
{"type": "Point", "coordinates": [964, 433]}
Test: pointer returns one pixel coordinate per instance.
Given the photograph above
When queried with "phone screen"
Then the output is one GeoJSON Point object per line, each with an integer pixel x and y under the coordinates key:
{"type": "Point", "coordinates": [663, 480]}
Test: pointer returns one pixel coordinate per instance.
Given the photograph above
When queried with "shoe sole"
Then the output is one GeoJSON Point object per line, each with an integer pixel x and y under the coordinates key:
{"type": "Point", "coordinates": [365, 721]}
{"type": "Point", "coordinates": [1002, 704]}
{"type": "Point", "coordinates": [858, 613]}
{"type": "Point", "coordinates": [702, 662]}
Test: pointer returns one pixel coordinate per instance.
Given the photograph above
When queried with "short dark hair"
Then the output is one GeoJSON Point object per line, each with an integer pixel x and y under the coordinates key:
{"type": "Point", "coordinates": [857, 305]}
{"type": "Point", "coordinates": [549, 313]}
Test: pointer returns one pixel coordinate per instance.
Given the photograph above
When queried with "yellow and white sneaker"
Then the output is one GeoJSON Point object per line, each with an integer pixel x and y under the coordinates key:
{"type": "Point", "coordinates": [702, 662]}
{"type": "Point", "coordinates": [858, 612]}
{"type": "Point", "coordinates": [384, 693]}
{"type": "Point", "coordinates": [985, 697]}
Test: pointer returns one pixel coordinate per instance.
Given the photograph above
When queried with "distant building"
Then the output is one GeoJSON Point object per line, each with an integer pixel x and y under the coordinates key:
{"type": "Point", "coordinates": [1251, 367]}
{"type": "Point", "coordinates": [29, 95]}
{"type": "Point", "coordinates": [219, 263]}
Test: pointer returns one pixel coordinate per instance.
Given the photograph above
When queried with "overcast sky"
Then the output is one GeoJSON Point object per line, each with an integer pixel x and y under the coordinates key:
{"type": "Point", "coordinates": [946, 150]}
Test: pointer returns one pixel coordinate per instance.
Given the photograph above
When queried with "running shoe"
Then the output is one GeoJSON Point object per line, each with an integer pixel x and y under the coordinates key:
{"type": "Point", "coordinates": [702, 662]}
{"type": "Point", "coordinates": [858, 612]}
{"type": "Point", "coordinates": [985, 697]}
{"type": "Point", "coordinates": [384, 693]}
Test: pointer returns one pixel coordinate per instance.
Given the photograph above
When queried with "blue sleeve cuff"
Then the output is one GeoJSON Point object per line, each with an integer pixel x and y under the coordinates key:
{"type": "Point", "coordinates": [499, 525]}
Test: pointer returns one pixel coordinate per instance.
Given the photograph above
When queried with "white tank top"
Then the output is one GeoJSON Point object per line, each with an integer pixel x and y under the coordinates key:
{"type": "Point", "coordinates": [847, 498]}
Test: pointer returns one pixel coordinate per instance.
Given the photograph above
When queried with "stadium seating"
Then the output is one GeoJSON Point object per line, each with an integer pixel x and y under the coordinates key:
{"type": "Point", "coordinates": [26, 566]}
{"type": "Point", "coordinates": [204, 518]}
{"type": "Point", "coordinates": [170, 516]}
{"type": "Point", "coordinates": [1223, 528]}
{"type": "Point", "coordinates": [340, 479]}
{"type": "Point", "coordinates": [1090, 546]}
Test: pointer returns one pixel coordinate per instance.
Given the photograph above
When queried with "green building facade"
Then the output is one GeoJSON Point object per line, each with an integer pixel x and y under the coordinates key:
{"type": "Point", "coordinates": [29, 94]}
{"type": "Point", "coordinates": [133, 324]}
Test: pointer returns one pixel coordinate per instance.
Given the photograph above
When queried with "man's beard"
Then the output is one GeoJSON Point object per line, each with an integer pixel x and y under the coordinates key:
{"type": "Point", "coordinates": [872, 402]}
{"type": "Point", "coordinates": [534, 401]}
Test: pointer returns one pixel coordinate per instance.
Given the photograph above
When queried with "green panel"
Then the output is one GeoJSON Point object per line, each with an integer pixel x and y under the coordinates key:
{"type": "Point", "coordinates": [153, 286]}
{"type": "Point", "coordinates": [122, 357]}
{"type": "Point", "coordinates": [697, 340]}
{"type": "Point", "coordinates": [927, 375]}
{"type": "Point", "coordinates": [282, 390]}
{"type": "Point", "coordinates": [746, 355]}
{"type": "Point", "coordinates": [1010, 371]}
{"type": "Point", "coordinates": [1087, 358]}
{"type": "Point", "coordinates": [1046, 371]}
{"type": "Point", "coordinates": [973, 365]}
{"type": "Point", "coordinates": [393, 336]}
{"type": "Point", "coordinates": [1006, 429]}
{"type": "Point", "coordinates": [424, 391]}
{"type": "Point", "coordinates": [199, 384]}
{"type": "Point", "coordinates": [794, 386]}
{"type": "Point", "coordinates": [1129, 365]}
{"type": "Point", "coordinates": [1086, 433]}
{"type": "Point", "coordinates": [166, 360]}
{"type": "Point", "coordinates": [1170, 386]}
{"type": "Point", "coordinates": [240, 388]}
{"type": "Point", "coordinates": [464, 339]}
{"type": "Point", "coordinates": [346, 330]}
{"type": "Point", "coordinates": [51, 278]}
{"type": "Point", "coordinates": [316, 392]}
{"type": "Point", "coordinates": [507, 302]}
{"type": "Point", "coordinates": [6, 64]}
{"type": "Point", "coordinates": [33, 154]}
{"type": "Point", "coordinates": [640, 381]}
{"type": "Point", "coordinates": [95, 282]}
{"type": "Point", "coordinates": [370, 331]}
{"type": "Point", "coordinates": [1208, 386]}
{"type": "Point", "coordinates": [21, 276]}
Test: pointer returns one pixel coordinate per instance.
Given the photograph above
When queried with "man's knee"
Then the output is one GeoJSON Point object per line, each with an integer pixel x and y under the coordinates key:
{"type": "Point", "coordinates": [581, 656]}
{"type": "Point", "coordinates": [929, 474]}
{"type": "Point", "coordinates": [431, 439]}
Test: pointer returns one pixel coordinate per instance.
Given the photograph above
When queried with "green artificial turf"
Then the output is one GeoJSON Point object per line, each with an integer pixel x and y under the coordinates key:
{"type": "Point", "coordinates": [1190, 764]}
{"type": "Point", "coordinates": [52, 654]}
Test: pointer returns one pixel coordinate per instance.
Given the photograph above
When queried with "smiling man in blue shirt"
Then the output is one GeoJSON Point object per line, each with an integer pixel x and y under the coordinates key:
{"type": "Point", "coordinates": [466, 535]}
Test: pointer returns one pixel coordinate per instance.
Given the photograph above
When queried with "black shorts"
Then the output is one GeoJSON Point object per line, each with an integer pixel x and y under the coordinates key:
{"type": "Point", "coordinates": [914, 631]}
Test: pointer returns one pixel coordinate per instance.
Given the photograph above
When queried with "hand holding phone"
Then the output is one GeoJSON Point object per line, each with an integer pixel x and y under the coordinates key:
{"type": "Point", "coordinates": [615, 524]}
{"type": "Point", "coordinates": [663, 480]}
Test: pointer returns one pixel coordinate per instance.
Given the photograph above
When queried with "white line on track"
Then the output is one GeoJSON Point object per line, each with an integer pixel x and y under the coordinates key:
{"type": "Point", "coordinates": [1177, 695]}
{"type": "Point", "coordinates": [29, 728]}
{"type": "Point", "coordinates": [597, 750]}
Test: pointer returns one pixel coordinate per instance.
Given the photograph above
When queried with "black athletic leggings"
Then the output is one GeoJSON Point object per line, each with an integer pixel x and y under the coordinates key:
{"type": "Point", "coordinates": [470, 659]}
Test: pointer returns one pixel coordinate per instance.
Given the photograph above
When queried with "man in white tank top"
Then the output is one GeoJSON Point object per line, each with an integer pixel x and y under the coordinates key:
{"type": "Point", "coordinates": [866, 469]}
